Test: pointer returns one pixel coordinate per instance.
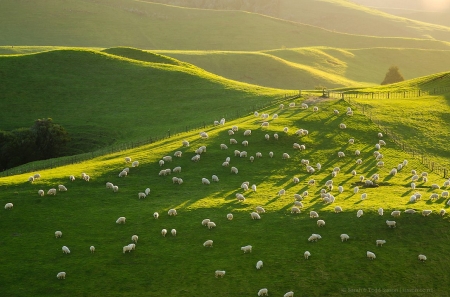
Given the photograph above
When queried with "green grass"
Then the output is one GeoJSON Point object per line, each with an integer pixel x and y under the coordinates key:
{"type": "Point", "coordinates": [180, 265]}
{"type": "Point", "coordinates": [104, 99]}
{"type": "Point", "coordinates": [146, 25]}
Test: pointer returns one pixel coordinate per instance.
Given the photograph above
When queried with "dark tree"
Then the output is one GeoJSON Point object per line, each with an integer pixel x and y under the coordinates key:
{"type": "Point", "coordinates": [393, 76]}
{"type": "Point", "coordinates": [50, 138]}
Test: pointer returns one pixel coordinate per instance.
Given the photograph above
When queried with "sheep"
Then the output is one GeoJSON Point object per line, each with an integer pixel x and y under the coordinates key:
{"type": "Point", "coordinates": [426, 212]}
{"type": "Point", "coordinates": [292, 104]}
{"type": "Point", "coordinates": [71, 178]}
{"type": "Point", "coordinates": [126, 248]}
{"type": "Point", "coordinates": [370, 255]}
{"type": "Point", "coordinates": [304, 106]}
{"type": "Point", "coordinates": [86, 177]}
{"type": "Point", "coordinates": [172, 212]}
{"type": "Point", "coordinates": [141, 195]}
{"type": "Point", "coordinates": [208, 243]}
{"type": "Point", "coordinates": [267, 136]}
{"type": "Point", "coordinates": [299, 204]}
{"type": "Point", "coordinates": [271, 154]}
{"type": "Point", "coordinates": [315, 109]}
{"type": "Point", "coordinates": [380, 242]}
{"type": "Point", "coordinates": [356, 189]}
{"type": "Point", "coordinates": [233, 141]}
{"type": "Point", "coordinates": [205, 181]}
{"type": "Point", "coordinates": [247, 248]}
{"type": "Point", "coordinates": [307, 254]}
{"type": "Point", "coordinates": [313, 214]}
{"type": "Point", "coordinates": [226, 164]}
{"type": "Point", "coordinates": [83, 175]}
{"type": "Point", "coordinates": [413, 186]}
{"type": "Point", "coordinates": [134, 238]}
{"type": "Point", "coordinates": [414, 178]}
{"type": "Point", "coordinates": [247, 132]}
{"type": "Point", "coordinates": [121, 220]}
{"type": "Point", "coordinates": [127, 159]}
{"type": "Point", "coordinates": [298, 197]}
{"type": "Point", "coordinates": [220, 273]}
{"type": "Point", "coordinates": [65, 250]}
{"type": "Point", "coordinates": [195, 158]}
{"type": "Point", "coordinates": [422, 257]}
{"type": "Point", "coordinates": [289, 294]}
{"type": "Point", "coordinates": [58, 234]}
{"type": "Point", "coordinates": [377, 146]}
{"type": "Point", "coordinates": [399, 167]}
{"type": "Point", "coordinates": [245, 143]}
{"type": "Point", "coordinates": [281, 192]}
{"type": "Point", "coordinates": [314, 237]}
{"type": "Point", "coordinates": [132, 246]}
{"type": "Point", "coordinates": [92, 248]}
{"type": "Point", "coordinates": [109, 185]}
{"type": "Point", "coordinates": [41, 192]}
{"type": "Point", "coordinates": [173, 232]}
{"type": "Point", "coordinates": [275, 135]}
{"type": "Point", "coordinates": [211, 225]}
{"type": "Point", "coordinates": [163, 232]}
{"type": "Point", "coordinates": [51, 192]}
{"type": "Point", "coordinates": [260, 209]}
{"type": "Point", "coordinates": [413, 198]}
{"type": "Point", "coordinates": [185, 143]}
{"type": "Point", "coordinates": [286, 156]}
{"type": "Point", "coordinates": [341, 154]}
{"type": "Point", "coordinates": [205, 222]}
{"type": "Point", "coordinates": [338, 209]}
{"type": "Point", "coordinates": [204, 135]}
{"type": "Point", "coordinates": [252, 158]}
{"type": "Point", "coordinates": [256, 114]}
{"type": "Point", "coordinates": [234, 170]}
{"type": "Point", "coordinates": [446, 184]}
{"type": "Point", "coordinates": [244, 186]}
{"type": "Point", "coordinates": [342, 126]}
{"type": "Point", "coordinates": [255, 216]}
{"type": "Point", "coordinates": [380, 164]}
{"type": "Point", "coordinates": [296, 146]}
{"type": "Point", "coordinates": [357, 152]}
{"type": "Point", "coordinates": [61, 275]}
{"type": "Point", "coordinates": [167, 158]}
{"type": "Point", "coordinates": [295, 209]}
{"type": "Point", "coordinates": [344, 237]}
{"type": "Point", "coordinates": [410, 211]}
{"type": "Point", "coordinates": [136, 163]}
{"type": "Point", "coordinates": [265, 124]}
{"type": "Point", "coordinates": [391, 224]}
{"type": "Point", "coordinates": [434, 196]}
{"type": "Point", "coordinates": [359, 213]}
{"type": "Point", "coordinates": [442, 212]}
{"type": "Point", "coordinates": [393, 172]}
{"type": "Point", "coordinates": [363, 196]}
{"type": "Point", "coordinates": [229, 216]}
{"type": "Point", "coordinates": [351, 141]}
{"type": "Point", "coordinates": [349, 113]}
{"type": "Point", "coordinates": [124, 173]}
{"type": "Point", "coordinates": [320, 223]}
{"type": "Point", "coordinates": [395, 213]}
{"type": "Point", "coordinates": [243, 154]}
{"type": "Point", "coordinates": [240, 197]}
{"type": "Point", "coordinates": [444, 194]}
{"type": "Point", "coordinates": [115, 189]}
{"type": "Point", "coordinates": [380, 211]}
{"type": "Point", "coordinates": [156, 215]}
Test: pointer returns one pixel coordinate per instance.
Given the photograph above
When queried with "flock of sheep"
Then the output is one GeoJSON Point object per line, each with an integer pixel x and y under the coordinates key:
{"type": "Point", "coordinates": [326, 192]}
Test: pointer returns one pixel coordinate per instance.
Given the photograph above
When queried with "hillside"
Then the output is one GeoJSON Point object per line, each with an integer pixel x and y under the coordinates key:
{"type": "Point", "coordinates": [103, 99]}
{"type": "Point", "coordinates": [146, 25]}
{"type": "Point", "coordinates": [336, 15]}
{"type": "Point", "coordinates": [279, 238]}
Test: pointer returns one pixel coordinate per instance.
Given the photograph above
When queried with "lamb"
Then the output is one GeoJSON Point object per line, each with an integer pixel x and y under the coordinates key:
{"type": "Point", "coordinates": [229, 216]}
{"type": "Point", "coordinates": [320, 223]}
{"type": "Point", "coordinates": [395, 213]}
{"type": "Point", "coordinates": [220, 273]}
{"type": "Point", "coordinates": [41, 192]}
{"type": "Point", "coordinates": [344, 237]}
{"type": "Point", "coordinates": [115, 189]}
{"type": "Point", "coordinates": [295, 209]}
{"type": "Point", "coordinates": [92, 248]}
{"type": "Point", "coordinates": [205, 181]}
{"type": "Point", "coordinates": [172, 212]}
{"type": "Point", "coordinates": [127, 159]}
{"type": "Point", "coordinates": [185, 143]}
{"type": "Point", "coordinates": [370, 255]}
{"type": "Point", "coordinates": [65, 250]}
{"type": "Point", "coordinates": [156, 215]}
{"type": "Point", "coordinates": [121, 220]}
{"type": "Point", "coordinates": [307, 254]}
{"type": "Point", "coordinates": [426, 212]}
{"type": "Point", "coordinates": [380, 242]}
{"type": "Point", "coordinates": [211, 225]}
{"type": "Point", "coordinates": [134, 238]}
{"type": "Point", "coordinates": [338, 209]}
{"type": "Point", "coordinates": [259, 264]}
{"type": "Point", "coordinates": [260, 209]}
{"type": "Point", "coordinates": [61, 275]}
{"type": "Point", "coordinates": [214, 178]}
{"type": "Point", "coordinates": [141, 195]}
{"type": "Point", "coordinates": [391, 224]}
{"type": "Point", "coordinates": [208, 243]}
{"type": "Point", "coordinates": [167, 158]}
{"type": "Point", "coordinates": [380, 211]}
{"type": "Point", "coordinates": [163, 232]}
{"type": "Point", "coordinates": [234, 170]}
{"type": "Point", "coordinates": [173, 232]}
{"type": "Point", "coordinates": [51, 192]}
{"type": "Point", "coordinates": [255, 216]}
{"type": "Point", "coordinates": [313, 214]}
{"type": "Point", "coordinates": [247, 248]}
{"type": "Point", "coordinates": [71, 178]}
{"type": "Point", "coordinates": [422, 257]}
{"type": "Point", "coordinates": [247, 132]}
{"type": "Point", "coordinates": [58, 234]}
{"type": "Point", "coordinates": [223, 146]}
{"type": "Point", "coordinates": [136, 163]}
{"type": "Point", "coordinates": [359, 213]}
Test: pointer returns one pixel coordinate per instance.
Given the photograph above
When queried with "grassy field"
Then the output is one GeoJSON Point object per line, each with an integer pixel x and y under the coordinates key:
{"type": "Point", "coordinates": [117, 95]}
{"type": "Point", "coordinates": [181, 266]}
{"type": "Point", "coordinates": [146, 25]}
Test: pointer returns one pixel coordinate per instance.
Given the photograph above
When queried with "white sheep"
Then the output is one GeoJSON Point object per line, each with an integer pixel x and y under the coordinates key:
{"type": "Point", "coordinates": [255, 216]}
{"type": "Point", "coordinates": [51, 192]}
{"type": "Point", "coordinates": [254, 188]}
{"type": "Point", "coordinates": [342, 126]}
{"type": "Point", "coordinates": [92, 248]}
{"type": "Point", "coordinates": [219, 273]}
{"type": "Point", "coordinates": [292, 104]}
{"type": "Point", "coordinates": [178, 154]}
{"type": "Point", "coordinates": [172, 212]}
{"type": "Point", "coordinates": [275, 135]}
{"type": "Point", "coordinates": [226, 164]}
{"type": "Point", "coordinates": [313, 214]}
{"type": "Point", "coordinates": [126, 248]}
{"type": "Point", "coordinates": [204, 135]}
{"type": "Point", "coordinates": [115, 189]}
{"type": "Point", "coordinates": [229, 216]}
{"type": "Point", "coordinates": [363, 196]}
{"type": "Point", "coordinates": [344, 237]}
{"type": "Point", "coordinates": [86, 177]}
{"type": "Point", "coordinates": [356, 189]}
{"type": "Point", "coordinates": [223, 146]}
{"type": "Point", "coordinates": [426, 212]}
{"type": "Point", "coordinates": [134, 238]}
{"type": "Point", "coordinates": [243, 154]}
{"type": "Point", "coordinates": [434, 196]}
{"type": "Point", "coordinates": [164, 232]}
{"type": "Point", "coordinates": [307, 254]}
{"type": "Point", "coordinates": [265, 124]}
{"type": "Point", "coordinates": [41, 192]}
{"type": "Point", "coordinates": [260, 209]}
{"type": "Point", "coordinates": [304, 106]}
{"type": "Point", "coordinates": [61, 275]}
{"type": "Point", "coordinates": [286, 156]}
{"type": "Point", "coordinates": [196, 158]}
{"type": "Point", "coordinates": [422, 257]}
{"type": "Point", "coordinates": [247, 132]}
{"type": "Point", "coordinates": [314, 237]}
{"type": "Point", "coordinates": [259, 264]}
{"type": "Point", "coordinates": [173, 232]}
{"type": "Point", "coordinates": [124, 173]}
{"type": "Point", "coordinates": [208, 243]}
{"type": "Point", "coordinates": [234, 170]}
{"type": "Point", "coordinates": [320, 223]}
{"type": "Point", "coordinates": [357, 152]}
{"type": "Point", "coordinates": [141, 195]}
{"type": "Point", "coordinates": [359, 213]}
{"type": "Point", "coordinates": [295, 209]}
{"type": "Point", "coordinates": [395, 213]}
{"type": "Point", "coordinates": [351, 141]}
{"type": "Point", "coordinates": [281, 192]}
{"type": "Point", "coordinates": [127, 159]}
{"type": "Point", "coordinates": [289, 294]}
{"type": "Point", "coordinates": [9, 205]}
{"type": "Point", "coordinates": [156, 215]}
{"type": "Point", "coordinates": [252, 158]}
{"type": "Point", "coordinates": [58, 234]}
{"type": "Point", "coordinates": [338, 209]}
{"type": "Point", "coordinates": [380, 242]}
{"type": "Point", "coordinates": [185, 143]}
{"type": "Point", "coordinates": [211, 225]}
{"type": "Point", "coordinates": [65, 250]}
{"type": "Point", "coordinates": [31, 179]}
{"type": "Point", "coordinates": [121, 220]}
{"type": "Point", "coordinates": [247, 248]}
{"type": "Point", "coordinates": [370, 255]}
{"type": "Point", "coordinates": [135, 164]}
{"type": "Point", "coordinates": [167, 158]}
{"type": "Point", "coordinates": [71, 178]}
{"type": "Point", "coordinates": [391, 224]}
{"type": "Point", "coordinates": [233, 141]}
{"type": "Point", "coordinates": [240, 197]}
{"type": "Point", "coordinates": [205, 222]}
{"type": "Point", "coordinates": [205, 181]}
{"type": "Point", "coordinates": [271, 154]}
{"type": "Point", "coordinates": [410, 211]}
{"type": "Point", "coordinates": [359, 161]}
{"type": "Point", "coordinates": [444, 194]}
{"type": "Point", "coordinates": [109, 185]}
{"type": "Point", "coordinates": [341, 154]}
{"type": "Point", "coordinates": [442, 212]}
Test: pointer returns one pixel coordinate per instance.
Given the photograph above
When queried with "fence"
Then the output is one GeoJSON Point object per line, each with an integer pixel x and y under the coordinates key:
{"type": "Point", "coordinates": [51, 163]}
{"type": "Point", "coordinates": [386, 95]}
{"type": "Point", "coordinates": [425, 160]}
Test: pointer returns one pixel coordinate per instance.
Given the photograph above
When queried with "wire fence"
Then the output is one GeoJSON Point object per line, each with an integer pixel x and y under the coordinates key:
{"type": "Point", "coordinates": [57, 162]}
{"type": "Point", "coordinates": [355, 94]}
{"type": "Point", "coordinates": [423, 158]}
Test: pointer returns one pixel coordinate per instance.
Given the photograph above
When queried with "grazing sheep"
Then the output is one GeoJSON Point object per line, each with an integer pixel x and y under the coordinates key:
{"type": "Point", "coordinates": [205, 222]}
{"type": "Point", "coordinates": [313, 214]}
{"type": "Point", "coordinates": [314, 237]}
{"type": "Point", "coordinates": [229, 216]}
{"type": "Point", "coordinates": [341, 154]}
{"type": "Point", "coordinates": [363, 196]}
{"type": "Point", "coordinates": [295, 209]}
{"type": "Point", "coordinates": [281, 192]}
{"type": "Point", "coordinates": [349, 113]}
{"type": "Point", "coordinates": [72, 178]}
{"type": "Point", "coordinates": [234, 170]}
{"type": "Point", "coordinates": [124, 173]}
{"type": "Point", "coordinates": [267, 136]}
{"type": "Point", "coordinates": [377, 146]}
{"type": "Point", "coordinates": [173, 232]}
{"type": "Point", "coordinates": [126, 248]}
{"type": "Point", "coordinates": [219, 273]}
{"type": "Point", "coordinates": [136, 163]}
{"type": "Point", "coordinates": [134, 238]}
{"type": "Point", "coordinates": [410, 211]}
{"type": "Point", "coordinates": [109, 185]}
{"type": "Point", "coordinates": [445, 194]}
{"type": "Point", "coordinates": [127, 159]}
{"type": "Point", "coordinates": [245, 143]}
{"type": "Point", "coordinates": [247, 248]}
{"type": "Point", "coordinates": [172, 212]}
{"type": "Point", "coordinates": [359, 213]}
{"type": "Point", "coordinates": [156, 215]}
{"type": "Point", "coordinates": [141, 195]}
{"type": "Point", "coordinates": [351, 141]}
{"type": "Point", "coordinates": [204, 135]}
{"type": "Point", "coordinates": [393, 172]}
{"type": "Point", "coordinates": [255, 216]}
{"type": "Point", "coordinates": [58, 234]}
{"type": "Point", "coordinates": [338, 209]}
{"type": "Point", "coordinates": [380, 135]}
{"type": "Point", "coordinates": [391, 224]}
{"type": "Point", "coordinates": [211, 225]}
{"type": "Point", "coordinates": [115, 189]}
{"type": "Point", "coordinates": [292, 104]}
{"type": "Point", "coordinates": [254, 188]}
{"type": "Point", "coordinates": [275, 135]}
{"type": "Point", "coordinates": [247, 132]}
{"type": "Point", "coordinates": [426, 212]}
{"type": "Point", "coordinates": [307, 254]}
{"type": "Point", "coordinates": [442, 212]}
{"type": "Point", "coordinates": [320, 223]}
{"type": "Point", "coordinates": [380, 164]}
{"type": "Point", "coordinates": [205, 181]}
{"type": "Point", "coordinates": [233, 141]}
{"type": "Point", "coordinates": [41, 192]}
{"type": "Point", "coordinates": [61, 275]}
{"type": "Point", "coordinates": [413, 186]}
{"type": "Point", "coordinates": [185, 143]}
{"type": "Point", "coordinates": [344, 237]}
{"type": "Point", "coordinates": [86, 177]}
{"type": "Point", "coordinates": [167, 158]}
{"type": "Point", "coordinates": [260, 209]}
{"type": "Point", "coordinates": [259, 264]}
{"type": "Point", "coordinates": [380, 211]}
{"type": "Point", "coordinates": [359, 161]}
{"type": "Point", "coordinates": [252, 158]}
{"type": "Point", "coordinates": [240, 197]}
{"type": "Point", "coordinates": [121, 220]}
{"type": "Point", "coordinates": [370, 255]}
{"type": "Point", "coordinates": [265, 124]}
{"type": "Point", "coordinates": [355, 190]}
{"type": "Point", "coordinates": [256, 114]}
{"type": "Point", "coordinates": [286, 156]}
{"type": "Point", "coordinates": [51, 192]}
{"type": "Point", "coordinates": [395, 213]}
{"type": "Point", "coordinates": [422, 257]}
{"type": "Point", "coordinates": [163, 232]}
{"type": "Point", "coordinates": [342, 126]}
{"type": "Point", "coordinates": [65, 250]}
{"type": "Point", "coordinates": [380, 242]}
{"type": "Point", "coordinates": [92, 248]}
{"type": "Point", "coordinates": [208, 243]}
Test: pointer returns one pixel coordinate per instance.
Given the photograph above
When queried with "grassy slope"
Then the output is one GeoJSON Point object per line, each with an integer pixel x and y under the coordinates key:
{"type": "Point", "coordinates": [103, 99]}
{"type": "Point", "coordinates": [304, 68]}
{"type": "Point", "coordinates": [180, 265]}
{"type": "Point", "coordinates": [110, 23]}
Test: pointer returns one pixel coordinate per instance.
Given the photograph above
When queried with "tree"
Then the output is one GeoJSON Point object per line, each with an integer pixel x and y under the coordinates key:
{"type": "Point", "coordinates": [393, 76]}
{"type": "Point", "coordinates": [50, 138]}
